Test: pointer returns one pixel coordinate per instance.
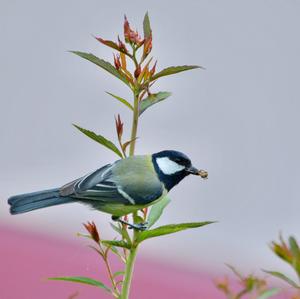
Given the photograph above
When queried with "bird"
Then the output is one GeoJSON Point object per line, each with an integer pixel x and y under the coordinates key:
{"type": "Point", "coordinates": [120, 188]}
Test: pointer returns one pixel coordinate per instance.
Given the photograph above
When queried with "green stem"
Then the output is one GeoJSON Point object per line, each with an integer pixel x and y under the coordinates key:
{"type": "Point", "coordinates": [133, 57]}
{"type": "Point", "coordinates": [135, 120]}
{"type": "Point", "coordinates": [133, 250]}
{"type": "Point", "coordinates": [128, 273]}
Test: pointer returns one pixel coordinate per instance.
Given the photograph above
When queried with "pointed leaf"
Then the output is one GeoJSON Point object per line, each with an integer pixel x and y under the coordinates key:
{"type": "Point", "coordinates": [100, 139]}
{"type": "Point", "coordinates": [283, 277]}
{"type": "Point", "coordinates": [116, 228]}
{"type": "Point", "coordinates": [169, 229]}
{"type": "Point", "coordinates": [146, 26]}
{"type": "Point", "coordinates": [115, 251]}
{"type": "Point", "coordinates": [118, 273]}
{"type": "Point", "coordinates": [144, 71]}
{"type": "Point", "coordinates": [103, 64]}
{"type": "Point", "coordinates": [296, 254]}
{"type": "Point", "coordinates": [121, 100]}
{"type": "Point", "coordinates": [112, 45]}
{"type": "Point", "coordinates": [116, 243]}
{"type": "Point", "coordinates": [174, 70]}
{"type": "Point", "coordinates": [125, 144]}
{"type": "Point", "coordinates": [83, 235]}
{"type": "Point", "coordinates": [294, 247]}
{"type": "Point", "coordinates": [153, 99]}
{"type": "Point", "coordinates": [108, 43]}
{"type": "Point", "coordinates": [157, 210]}
{"type": "Point", "coordinates": [235, 271]}
{"type": "Point", "coordinates": [123, 61]}
{"type": "Point", "coordinates": [268, 293]}
{"type": "Point", "coordinates": [122, 231]}
{"type": "Point", "coordinates": [96, 250]}
{"type": "Point", "coordinates": [84, 280]}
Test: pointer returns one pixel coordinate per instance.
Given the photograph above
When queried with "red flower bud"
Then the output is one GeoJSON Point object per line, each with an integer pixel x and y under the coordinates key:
{"type": "Point", "coordinates": [122, 46]}
{"type": "Point", "coordinates": [126, 30]}
{"type": "Point", "coordinates": [137, 71]}
{"type": "Point", "coordinates": [117, 61]}
{"type": "Point", "coordinates": [119, 126]}
{"type": "Point", "coordinates": [135, 37]}
{"type": "Point", "coordinates": [130, 35]}
{"type": "Point", "coordinates": [92, 229]}
{"type": "Point", "coordinates": [147, 46]}
{"type": "Point", "coordinates": [152, 71]}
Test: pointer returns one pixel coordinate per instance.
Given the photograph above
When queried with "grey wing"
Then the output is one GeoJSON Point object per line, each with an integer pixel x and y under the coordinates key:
{"type": "Point", "coordinates": [98, 186]}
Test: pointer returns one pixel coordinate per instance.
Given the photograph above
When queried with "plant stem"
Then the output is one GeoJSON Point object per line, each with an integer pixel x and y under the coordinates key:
{"type": "Point", "coordinates": [135, 120]}
{"type": "Point", "coordinates": [133, 57]}
{"type": "Point", "coordinates": [128, 273]}
{"type": "Point", "coordinates": [111, 276]}
{"type": "Point", "coordinates": [133, 250]}
{"type": "Point", "coordinates": [108, 268]}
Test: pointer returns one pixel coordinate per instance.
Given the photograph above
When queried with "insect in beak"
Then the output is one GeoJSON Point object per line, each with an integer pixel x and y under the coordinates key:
{"type": "Point", "coordinates": [193, 170]}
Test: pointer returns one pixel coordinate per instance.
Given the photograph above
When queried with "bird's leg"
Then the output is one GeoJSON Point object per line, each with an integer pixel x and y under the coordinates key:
{"type": "Point", "coordinates": [137, 226]}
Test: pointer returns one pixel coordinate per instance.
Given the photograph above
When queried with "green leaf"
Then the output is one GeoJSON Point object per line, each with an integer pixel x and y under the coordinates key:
{"type": "Point", "coordinates": [296, 254]}
{"type": "Point", "coordinates": [84, 280]}
{"type": "Point", "coordinates": [116, 243]}
{"type": "Point", "coordinates": [269, 293]}
{"type": "Point", "coordinates": [153, 99]}
{"type": "Point", "coordinates": [146, 26]}
{"type": "Point", "coordinates": [102, 63]}
{"type": "Point", "coordinates": [157, 210]}
{"type": "Point", "coordinates": [122, 231]}
{"type": "Point", "coordinates": [294, 247]}
{"type": "Point", "coordinates": [235, 271]}
{"type": "Point", "coordinates": [121, 100]}
{"type": "Point", "coordinates": [283, 277]}
{"type": "Point", "coordinates": [116, 228]}
{"type": "Point", "coordinates": [118, 273]}
{"type": "Point", "coordinates": [137, 219]}
{"type": "Point", "coordinates": [174, 70]}
{"type": "Point", "coordinates": [83, 235]}
{"type": "Point", "coordinates": [169, 229]}
{"type": "Point", "coordinates": [100, 139]}
{"type": "Point", "coordinates": [115, 251]}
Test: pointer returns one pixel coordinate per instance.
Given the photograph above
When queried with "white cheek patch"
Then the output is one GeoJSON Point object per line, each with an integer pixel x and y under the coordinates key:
{"type": "Point", "coordinates": [168, 166]}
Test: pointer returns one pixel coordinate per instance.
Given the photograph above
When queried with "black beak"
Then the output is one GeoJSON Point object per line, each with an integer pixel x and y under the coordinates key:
{"type": "Point", "coordinates": [193, 170]}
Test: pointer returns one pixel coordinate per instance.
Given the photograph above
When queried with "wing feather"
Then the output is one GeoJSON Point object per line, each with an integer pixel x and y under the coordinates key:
{"type": "Point", "coordinates": [96, 186]}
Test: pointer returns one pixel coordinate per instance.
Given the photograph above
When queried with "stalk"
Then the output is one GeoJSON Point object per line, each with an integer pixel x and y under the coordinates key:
{"type": "Point", "coordinates": [133, 250]}
{"type": "Point", "coordinates": [128, 273]}
{"type": "Point", "coordinates": [135, 120]}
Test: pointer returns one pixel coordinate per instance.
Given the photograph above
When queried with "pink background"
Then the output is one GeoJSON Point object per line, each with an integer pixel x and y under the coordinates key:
{"type": "Point", "coordinates": [27, 259]}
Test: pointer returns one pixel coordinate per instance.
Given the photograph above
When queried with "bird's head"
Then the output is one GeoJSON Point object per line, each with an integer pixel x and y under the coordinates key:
{"type": "Point", "coordinates": [173, 166]}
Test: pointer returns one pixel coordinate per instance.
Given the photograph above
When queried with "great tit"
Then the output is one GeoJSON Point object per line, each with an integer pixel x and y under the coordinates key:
{"type": "Point", "coordinates": [120, 188]}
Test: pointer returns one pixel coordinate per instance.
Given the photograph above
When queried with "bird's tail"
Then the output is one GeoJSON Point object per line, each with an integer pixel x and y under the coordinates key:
{"type": "Point", "coordinates": [32, 201]}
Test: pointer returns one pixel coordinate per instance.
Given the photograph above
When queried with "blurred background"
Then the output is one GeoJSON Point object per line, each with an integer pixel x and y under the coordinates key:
{"type": "Point", "coordinates": [238, 119]}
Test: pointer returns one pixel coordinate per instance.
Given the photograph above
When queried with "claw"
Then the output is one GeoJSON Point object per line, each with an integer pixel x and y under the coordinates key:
{"type": "Point", "coordinates": [137, 226]}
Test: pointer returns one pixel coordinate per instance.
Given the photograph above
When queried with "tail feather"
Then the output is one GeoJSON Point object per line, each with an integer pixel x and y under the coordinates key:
{"type": "Point", "coordinates": [37, 200]}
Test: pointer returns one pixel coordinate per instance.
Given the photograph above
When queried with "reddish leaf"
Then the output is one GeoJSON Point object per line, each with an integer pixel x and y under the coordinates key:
{"type": "Point", "coordinates": [119, 126]}
{"type": "Point", "coordinates": [92, 229]}
{"type": "Point", "coordinates": [108, 43]}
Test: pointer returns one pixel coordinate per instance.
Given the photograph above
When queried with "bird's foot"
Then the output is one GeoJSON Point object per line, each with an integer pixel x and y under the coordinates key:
{"type": "Point", "coordinates": [138, 226]}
